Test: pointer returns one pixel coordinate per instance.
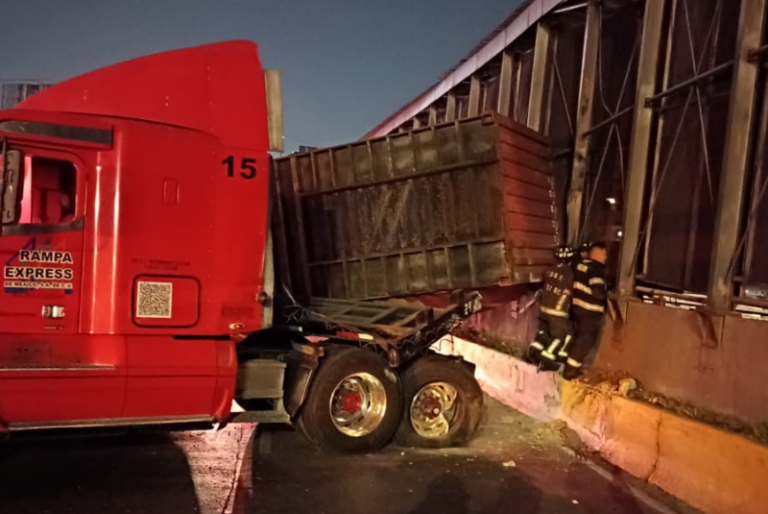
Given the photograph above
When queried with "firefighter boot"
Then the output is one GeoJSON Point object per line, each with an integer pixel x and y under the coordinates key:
{"type": "Point", "coordinates": [533, 354]}
{"type": "Point", "coordinates": [562, 355]}
{"type": "Point", "coordinates": [549, 357]}
{"type": "Point", "coordinates": [572, 370]}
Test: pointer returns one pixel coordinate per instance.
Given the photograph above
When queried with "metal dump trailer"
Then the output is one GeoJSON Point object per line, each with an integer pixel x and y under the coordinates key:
{"type": "Point", "coordinates": [461, 205]}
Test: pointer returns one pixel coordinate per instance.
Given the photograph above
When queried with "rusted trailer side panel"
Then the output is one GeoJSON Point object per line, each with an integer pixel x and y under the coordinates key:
{"type": "Point", "coordinates": [461, 205]}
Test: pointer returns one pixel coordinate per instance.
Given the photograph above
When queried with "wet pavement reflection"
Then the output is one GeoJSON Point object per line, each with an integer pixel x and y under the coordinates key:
{"type": "Point", "coordinates": [514, 465]}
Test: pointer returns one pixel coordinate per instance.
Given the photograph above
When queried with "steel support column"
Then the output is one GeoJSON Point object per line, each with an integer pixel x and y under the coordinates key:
{"type": "Point", "coordinates": [416, 123]}
{"type": "Point", "coordinates": [637, 173]}
{"type": "Point", "coordinates": [541, 57]}
{"type": "Point", "coordinates": [474, 96]}
{"type": "Point", "coordinates": [450, 107]}
{"type": "Point", "coordinates": [505, 81]}
{"type": "Point", "coordinates": [432, 115]}
{"type": "Point", "coordinates": [583, 118]}
{"type": "Point", "coordinates": [736, 155]}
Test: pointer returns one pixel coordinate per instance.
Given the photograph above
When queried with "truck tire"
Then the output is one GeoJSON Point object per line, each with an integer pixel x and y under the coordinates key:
{"type": "Point", "coordinates": [443, 403]}
{"type": "Point", "coordinates": [354, 403]}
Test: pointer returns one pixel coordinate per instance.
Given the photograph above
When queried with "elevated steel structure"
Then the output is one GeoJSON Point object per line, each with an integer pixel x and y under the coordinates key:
{"type": "Point", "coordinates": [657, 111]}
{"type": "Point", "coordinates": [15, 91]}
{"type": "Point", "coordinates": [654, 110]}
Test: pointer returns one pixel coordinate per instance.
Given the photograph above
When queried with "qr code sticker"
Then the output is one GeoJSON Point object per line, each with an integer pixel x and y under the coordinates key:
{"type": "Point", "coordinates": [154, 300]}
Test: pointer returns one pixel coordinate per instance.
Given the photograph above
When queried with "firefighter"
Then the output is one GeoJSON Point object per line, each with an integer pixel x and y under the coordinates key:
{"type": "Point", "coordinates": [554, 320]}
{"type": "Point", "coordinates": [589, 298]}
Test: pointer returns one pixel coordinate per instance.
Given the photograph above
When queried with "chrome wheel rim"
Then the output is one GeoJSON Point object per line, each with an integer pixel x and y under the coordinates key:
{"type": "Point", "coordinates": [433, 410]}
{"type": "Point", "coordinates": [358, 404]}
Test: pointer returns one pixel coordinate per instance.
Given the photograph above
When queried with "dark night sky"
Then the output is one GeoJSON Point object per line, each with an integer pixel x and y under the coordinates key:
{"type": "Point", "coordinates": [346, 64]}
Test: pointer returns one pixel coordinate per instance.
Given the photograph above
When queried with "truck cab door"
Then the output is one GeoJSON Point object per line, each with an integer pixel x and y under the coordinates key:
{"type": "Point", "coordinates": [49, 373]}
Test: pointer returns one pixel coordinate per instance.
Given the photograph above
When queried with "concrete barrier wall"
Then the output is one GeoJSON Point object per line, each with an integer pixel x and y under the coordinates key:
{"type": "Point", "coordinates": [511, 381]}
{"type": "Point", "coordinates": [712, 470]}
{"type": "Point", "coordinates": [666, 350]}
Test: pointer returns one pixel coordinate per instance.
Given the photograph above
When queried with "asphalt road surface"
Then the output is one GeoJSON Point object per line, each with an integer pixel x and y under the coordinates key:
{"type": "Point", "coordinates": [515, 465]}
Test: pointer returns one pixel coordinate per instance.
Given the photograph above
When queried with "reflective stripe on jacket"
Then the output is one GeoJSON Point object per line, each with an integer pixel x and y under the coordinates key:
{"type": "Point", "coordinates": [589, 292]}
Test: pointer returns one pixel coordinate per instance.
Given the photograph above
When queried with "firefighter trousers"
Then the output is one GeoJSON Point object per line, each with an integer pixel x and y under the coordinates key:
{"type": "Point", "coordinates": [553, 336]}
{"type": "Point", "coordinates": [587, 333]}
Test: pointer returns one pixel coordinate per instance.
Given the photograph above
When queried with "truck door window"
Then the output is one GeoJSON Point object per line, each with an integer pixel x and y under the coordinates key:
{"type": "Point", "coordinates": [50, 186]}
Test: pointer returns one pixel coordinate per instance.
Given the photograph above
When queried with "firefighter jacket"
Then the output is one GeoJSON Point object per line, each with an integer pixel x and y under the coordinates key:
{"type": "Point", "coordinates": [589, 291]}
{"type": "Point", "coordinates": [556, 295]}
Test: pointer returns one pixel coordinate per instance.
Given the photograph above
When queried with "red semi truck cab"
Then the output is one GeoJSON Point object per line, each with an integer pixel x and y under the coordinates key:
{"type": "Point", "coordinates": [134, 245]}
{"type": "Point", "coordinates": [135, 210]}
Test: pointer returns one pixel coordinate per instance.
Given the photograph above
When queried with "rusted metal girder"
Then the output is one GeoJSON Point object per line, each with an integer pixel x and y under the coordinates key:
{"type": "Point", "coordinates": [584, 119]}
{"type": "Point", "coordinates": [541, 57]}
{"type": "Point", "coordinates": [653, 25]}
{"type": "Point", "coordinates": [736, 155]}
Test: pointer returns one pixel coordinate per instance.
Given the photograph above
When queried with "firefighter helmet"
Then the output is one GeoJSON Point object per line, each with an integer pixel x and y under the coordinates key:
{"type": "Point", "coordinates": [586, 247]}
{"type": "Point", "coordinates": [564, 253]}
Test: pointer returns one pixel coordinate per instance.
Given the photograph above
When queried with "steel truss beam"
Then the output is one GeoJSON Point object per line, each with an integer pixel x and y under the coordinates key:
{"type": "Point", "coordinates": [450, 107]}
{"type": "Point", "coordinates": [505, 81]}
{"type": "Point", "coordinates": [474, 96]}
{"type": "Point", "coordinates": [584, 119]}
{"type": "Point", "coordinates": [609, 121]}
{"type": "Point", "coordinates": [759, 189]}
{"type": "Point", "coordinates": [541, 58]}
{"type": "Point", "coordinates": [432, 115]}
{"type": "Point", "coordinates": [759, 54]}
{"type": "Point", "coordinates": [614, 115]}
{"type": "Point", "coordinates": [721, 69]}
{"type": "Point", "coordinates": [647, 83]}
{"type": "Point", "coordinates": [736, 155]}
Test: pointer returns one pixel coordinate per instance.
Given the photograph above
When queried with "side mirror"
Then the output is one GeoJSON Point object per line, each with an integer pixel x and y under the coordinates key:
{"type": "Point", "coordinates": [12, 174]}
{"type": "Point", "coordinates": [274, 111]}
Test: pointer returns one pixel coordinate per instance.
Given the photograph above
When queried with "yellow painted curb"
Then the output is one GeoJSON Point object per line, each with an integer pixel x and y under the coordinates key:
{"type": "Point", "coordinates": [712, 470]}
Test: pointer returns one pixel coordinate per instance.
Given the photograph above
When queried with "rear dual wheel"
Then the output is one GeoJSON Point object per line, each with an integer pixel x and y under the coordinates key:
{"type": "Point", "coordinates": [357, 404]}
{"type": "Point", "coordinates": [443, 403]}
{"type": "Point", "coordinates": [354, 404]}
